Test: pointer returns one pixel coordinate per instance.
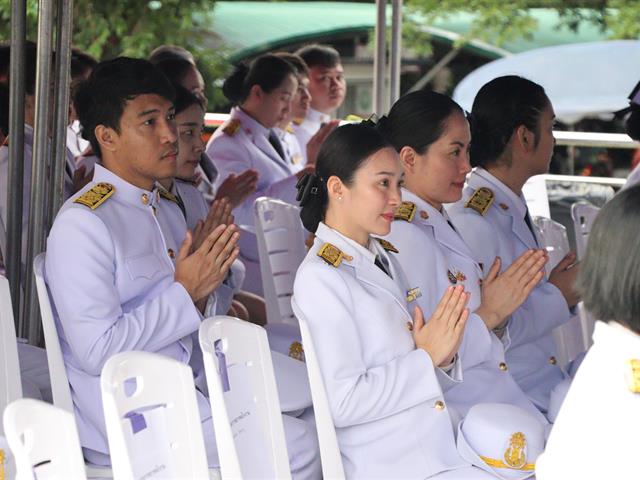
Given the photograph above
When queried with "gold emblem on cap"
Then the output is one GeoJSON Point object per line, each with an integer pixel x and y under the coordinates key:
{"type": "Point", "coordinates": [632, 375]}
{"type": "Point", "coordinates": [96, 196]}
{"type": "Point", "coordinates": [405, 211]}
{"type": "Point", "coordinates": [388, 246]}
{"type": "Point", "coordinates": [481, 200]}
{"type": "Point", "coordinates": [232, 127]}
{"type": "Point", "coordinates": [515, 456]}
{"type": "Point", "coordinates": [296, 351]}
{"type": "Point", "coordinates": [333, 255]}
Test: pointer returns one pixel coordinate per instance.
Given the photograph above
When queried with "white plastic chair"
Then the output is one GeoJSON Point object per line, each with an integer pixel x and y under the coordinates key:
{"type": "Point", "coordinates": [10, 386]}
{"type": "Point", "coordinates": [152, 418]}
{"type": "Point", "coordinates": [244, 399]}
{"type": "Point", "coordinates": [44, 441]}
{"type": "Point", "coordinates": [329, 449]}
{"type": "Point", "coordinates": [568, 337]}
{"type": "Point", "coordinates": [281, 249]}
{"type": "Point", "coordinates": [583, 215]}
{"type": "Point", "coordinates": [59, 381]}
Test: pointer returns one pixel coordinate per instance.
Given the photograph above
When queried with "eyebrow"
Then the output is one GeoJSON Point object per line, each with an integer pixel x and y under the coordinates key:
{"type": "Point", "coordinates": [457, 142]}
{"type": "Point", "coordinates": [148, 112]}
{"type": "Point", "coordinates": [188, 124]}
{"type": "Point", "coordinates": [386, 173]}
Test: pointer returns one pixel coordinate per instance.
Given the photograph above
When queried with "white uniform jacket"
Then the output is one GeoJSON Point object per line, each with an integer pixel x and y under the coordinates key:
{"type": "Point", "coordinates": [307, 127]}
{"type": "Point", "coordinates": [434, 257]}
{"type": "Point", "coordinates": [385, 395]}
{"type": "Point", "coordinates": [111, 278]}
{"type": "Point", "coordinates": [291, 147]}
{"type": "Point", "coordinates": [239, 144]}
{"type": "Point", "coordinates": [596, 433]}
{"type": "Point", "coordinates": [502, 231]}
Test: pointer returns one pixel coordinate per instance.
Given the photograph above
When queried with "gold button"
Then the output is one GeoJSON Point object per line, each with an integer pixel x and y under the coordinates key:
{"type": "Point", "coordinates": [410, 326]}
{"type": "Point", "coordinates": [424, 215]}
{"type": "Point", "coordinates": [503, 366]}
{"type": "Point", "coordinates": [145, 199]}
{"type": "Point", "coordinates": [552, 360]}
{"type": "Point", "coordinates": [439, 405]}
{"type": "Point", "coordinates": [171, 253]}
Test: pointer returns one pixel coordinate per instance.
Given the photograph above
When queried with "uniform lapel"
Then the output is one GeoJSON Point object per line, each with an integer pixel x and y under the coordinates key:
{"type": "Point", "coordinates": [262, 142]}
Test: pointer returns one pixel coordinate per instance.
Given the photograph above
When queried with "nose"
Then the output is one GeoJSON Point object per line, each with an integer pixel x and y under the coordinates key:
{"type": "Point", "coordinates": [395, 197]}
{"type": "Point", "coordinates": [198, 146]}
{"type": "Point", "coordinates": [169, 131]}
{"type": "Point", "coordinates": [466, 163]}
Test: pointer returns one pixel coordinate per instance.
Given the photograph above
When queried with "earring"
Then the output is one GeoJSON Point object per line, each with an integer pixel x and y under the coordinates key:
{"type": "Point", "coordinates": [339, 198]}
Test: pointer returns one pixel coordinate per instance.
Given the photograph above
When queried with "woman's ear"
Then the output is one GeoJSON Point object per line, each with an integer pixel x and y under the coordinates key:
{"type": "Point", "coordinates": [525, 138]}
{"type": "Point", "coordinates": [335, 187]}
{"type": "Point", "coordinates": [408, 158]}
{"type": "Point", "coordinates": [107, 138]}
{"type": "Point", "coordinates": [256, 91]}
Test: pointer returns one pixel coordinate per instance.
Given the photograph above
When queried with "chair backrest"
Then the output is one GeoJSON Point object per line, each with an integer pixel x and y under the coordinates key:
{"type": "Point", "coordinates": [329, 449]}
{"type": "Point", "coordinates": [568, 337]}
{"type": "Point", "coordinates": [244, 399]}
{"type": "Point", "coordinates": [44, 441]}
{"type": "Point", "coordinates": [10, 387]}
{"type": "Point", "coordinates": [152, 419]}
{"type": "Point", "coordinates": [583, 215]}
{"type": "Point", "coordinates": [281, 249]}
{"type": "Point", "coordinates": [59, 381]}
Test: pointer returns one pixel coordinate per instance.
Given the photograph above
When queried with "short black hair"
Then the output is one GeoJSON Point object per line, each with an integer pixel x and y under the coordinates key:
{"type": "Point", "coordinates": [171, 52]}
{"type": "Point", "coordinates": [317, 55]}
{"type": "Point", "coordinates": [268, 71]}
{"type": "Point", "coordinates": [81, 63]}
{"type": "Point", "coordinates": [102, 98]}
{"type": "Point", "coordinates": [175, 69]}
{"type": "Point", "coordinates": [609, 277]}
{"type": "Point", "coordinates": [184, 99]}
{"type": "Point", "coordinates": [296, 61]}
{"type": "Point", "coordinates": [500, 107]}
{"type": "Point", "coordinates": [30, 61]}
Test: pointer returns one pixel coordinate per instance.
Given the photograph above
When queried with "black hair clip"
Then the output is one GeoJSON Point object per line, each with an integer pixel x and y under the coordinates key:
{"type": "Point", "coordinates": [309, 184]}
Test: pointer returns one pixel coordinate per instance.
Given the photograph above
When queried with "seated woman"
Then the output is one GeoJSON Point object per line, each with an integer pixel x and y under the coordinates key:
{"type": "Point", "coordinates": [596, 432]}
{"type": "Point", "coordinates": [383, 369]}
{"type": "Point", "coordinates": [262, 93]}
{"type": "Point", "coordinates": [432, 136]}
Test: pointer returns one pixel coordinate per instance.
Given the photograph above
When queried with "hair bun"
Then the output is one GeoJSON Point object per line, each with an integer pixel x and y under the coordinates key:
{"type": "Point", "coordinates": [308, 186]}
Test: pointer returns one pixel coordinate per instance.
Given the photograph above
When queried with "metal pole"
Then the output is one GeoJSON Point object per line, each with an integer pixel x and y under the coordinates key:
{"type": "Point", "coordinates": [63, 75]}
{"type": "Point", "coordinates": [15, 173]}
{"type": "Point", "coordinates": [379, 57]}
{"type": "Point", "coordinates": [396, 49]}
{"type": "Point", "coordinates": [39, 164]}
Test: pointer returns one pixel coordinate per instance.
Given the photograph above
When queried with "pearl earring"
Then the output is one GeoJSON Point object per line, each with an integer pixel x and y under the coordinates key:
{"type": "Point", "coordinates": [339, 198]}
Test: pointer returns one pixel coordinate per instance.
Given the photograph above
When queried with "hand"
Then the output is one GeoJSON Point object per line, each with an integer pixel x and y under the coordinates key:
{"type": "Point", "coordinates": [237, 188]}
{"type": "Point", "coordinates": [219, 214]}
{"type": "Point", "coordinates": [202, 271]}
{"type": "Point", "coordinates": [81, 177]}
{"type": "Point", "coordinates": [563, 276]}
{"type": "Point", "coordinates": [503, 293]}
{"type": "Point", "coordinates": [315, 142]}
{"type": "Point", "coordinates": [441, 336]}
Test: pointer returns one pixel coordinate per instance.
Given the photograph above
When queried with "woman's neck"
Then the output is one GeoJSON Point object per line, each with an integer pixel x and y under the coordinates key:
{"type": "Point", "coordinates": [167, 183]}
{"type": "Point", "coordinates": [410, 187]}
{"type": "Point", "coordinates": [509, 176]}
{"type": "Point", "coordinates": [347, 229]}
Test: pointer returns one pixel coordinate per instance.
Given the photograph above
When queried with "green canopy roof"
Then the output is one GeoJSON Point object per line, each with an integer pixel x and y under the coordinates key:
{"type": "Point", "coordinates": [252, 28]}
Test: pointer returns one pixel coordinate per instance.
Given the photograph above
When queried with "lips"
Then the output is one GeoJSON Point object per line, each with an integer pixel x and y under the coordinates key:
{"type": "Point", "coordinates": [388, 217]}
{"type": "Point", "coordinates": [171, 154]}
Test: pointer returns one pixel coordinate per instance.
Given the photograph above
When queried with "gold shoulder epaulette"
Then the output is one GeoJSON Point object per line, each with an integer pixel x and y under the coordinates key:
{"type": "Point", "coordinates": [388, 246]}
{"type": "Point", "coordinates": [405, 211]}
{"type": "Point", "coordinates": [296, 351]}
{"type": "Point", "coordinates": [96, 196]}
{"type": "Point", "coordinates": [353, 118]}
{"type": "Point", "coordinates": [632, 375]}
{"type": "Point", "coordinates": [232, 127]}
{"type": "Point", "coordinates": [289, 129]}
{"type": "Point", "coordinates": [167, 195]}
{"type": "Point", "coordinates": [333, 255]}
{"type": "Point", "coordinates": [298, 121]}
{"type": "Point", "coordinates": [481, 200]}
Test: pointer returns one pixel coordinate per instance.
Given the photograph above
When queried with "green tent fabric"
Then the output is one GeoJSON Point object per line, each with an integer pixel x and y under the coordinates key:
{"type": "Point", "coordinates": [251, 28]}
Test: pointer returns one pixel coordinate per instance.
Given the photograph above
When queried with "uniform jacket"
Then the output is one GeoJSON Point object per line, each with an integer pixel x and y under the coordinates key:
{"type": "Point", "coordinates": [291, 147]}
{"type": "Point", "coordinates": [434, 257]}
{"type": "Point", "coordinates": [502, 231]}
{"type": "Point", "coordinates": [307, 128]}
{"type": "Point", "coordinates": [385, 395]}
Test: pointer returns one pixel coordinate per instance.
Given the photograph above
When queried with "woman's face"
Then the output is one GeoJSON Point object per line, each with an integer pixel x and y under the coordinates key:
{"type": "Point", "coordinates": [369, 203]}
{"type": "Point", "coordinates": [543, 153]}
{"type": "Point", "coordinates": [190, 124]}
{"type": "Point", "coordinates": [274, 107]}
{"type": "Point", "coordinates": [438, 175]}
{"type": "Point", "coordinates": [194, 82]}
{"type": "Point", "coordinates": [302, 99]}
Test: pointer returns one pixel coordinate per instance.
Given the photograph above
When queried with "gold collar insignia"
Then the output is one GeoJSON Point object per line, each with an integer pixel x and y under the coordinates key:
{"type": "Point", "coordinates": [481, 200]}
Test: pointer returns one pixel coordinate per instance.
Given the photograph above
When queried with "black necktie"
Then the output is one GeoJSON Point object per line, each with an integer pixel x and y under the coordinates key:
{"type": "Point", "coordinates": [275, 143]}
{"type": "Point", "coordinates": [208, 168]}
{"type": "Point", "coordinates": [380, 264]}
{"type": "Point", "coordinates": [527, 220]}
{"type": "Point", "coordinates": [451, 225]}
{"type": "Point", "coordinates": [181, 204]}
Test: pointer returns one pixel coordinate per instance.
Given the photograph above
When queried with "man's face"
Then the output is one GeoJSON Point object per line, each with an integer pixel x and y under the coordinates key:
{"type": "Point", "coordinates": [327, 87]}
{"type": "Point", "coordinates": [146, 148]}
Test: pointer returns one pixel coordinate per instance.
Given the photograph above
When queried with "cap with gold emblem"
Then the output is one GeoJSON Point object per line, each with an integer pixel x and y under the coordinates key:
{"type": "Point", "coordinates": [481, 200]}
{"type": "Point", "coordinates": [96, 195]}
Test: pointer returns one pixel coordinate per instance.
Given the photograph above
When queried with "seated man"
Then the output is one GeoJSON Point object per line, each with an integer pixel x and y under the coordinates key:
{"type": "Point", "coordinates": [110, 254]}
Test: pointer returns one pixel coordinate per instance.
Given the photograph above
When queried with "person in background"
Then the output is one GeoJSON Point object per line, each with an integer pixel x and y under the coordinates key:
{"type": "Point", "coordinates": [512, 140]}
{"type": "Point", "coordinates": [327, 87]}
{"type": "Point", "coordinates": [587, 440]}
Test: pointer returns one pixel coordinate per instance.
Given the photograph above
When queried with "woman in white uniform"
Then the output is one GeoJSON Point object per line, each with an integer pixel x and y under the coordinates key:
{"type": "Point", "coordinates": [596, 432]}
{"type": "Point", "coordinates": [512, 130]}
{"type": "Point", "coordinates": [432, 136]}
{"type": "Point", "coordinates": [384, 369]}
{"type": "Point", "coordinates": [262, 93]}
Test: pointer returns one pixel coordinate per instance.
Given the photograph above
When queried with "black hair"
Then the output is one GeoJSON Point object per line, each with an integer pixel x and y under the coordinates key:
{"type": "Point", "coordinates": [4, 109]}
{"type": "Point", "coordinates": [175, 69]}
{"type": "Point", "coordinates": [317, 55]}
{"type": "Point", "coordinates": [5, 56]}
{"type": "Point", "coordinates": [296, 61]}
{"type": "Point", "coordinates": [184, 99]}
{"type": "Point", "coordinates": [30, 60]}
{"type": "Point", "coordinates": [268, 71]}
{"type": "Point", "coordinates": [102, 98]}
{"type": "Point", "coordinates": [418, 119]}
{"type": "Point", "coordinates": [170, 52]}
{"type": "Point", "coordinates": [632, 125]}
{"type": "Point", "coordinates": [341, 155]}
{"type": "Point", "coordinates": [609, 276]}
{"type": "Point", "coordinates": [500, 107]}
{"type": "Point", "coordinates": [81, 63]}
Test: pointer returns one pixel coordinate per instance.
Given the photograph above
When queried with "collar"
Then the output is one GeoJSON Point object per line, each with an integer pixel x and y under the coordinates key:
{"type": "Point", "coordinates": [249, 124]}
{"type": "Point", "coordinates": [347, 245]}
{"type": "Point", "coordinates": [506, 195]}
{"type": "Point", "coordinates": [280, 133]}
{"type": "Point", "coordinates": [315, 116]}
{"type": "Point", "coordinates": [125, 191]}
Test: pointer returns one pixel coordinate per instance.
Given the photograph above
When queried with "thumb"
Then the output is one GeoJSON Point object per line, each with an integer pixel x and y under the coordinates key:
{"type": "Point", "coordinates": [418, 319]}
{"type": "Point", "coordinates": [568, 259]}
{"type": "Point", "coordinates": [493, 271]}
{"type": "Point", "coordinates": [185, 248]}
